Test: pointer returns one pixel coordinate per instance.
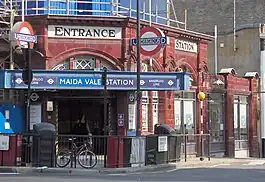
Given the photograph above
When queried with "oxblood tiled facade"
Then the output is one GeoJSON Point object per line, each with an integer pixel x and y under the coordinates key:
{"type": "Point", "coordinates": [121, 56]}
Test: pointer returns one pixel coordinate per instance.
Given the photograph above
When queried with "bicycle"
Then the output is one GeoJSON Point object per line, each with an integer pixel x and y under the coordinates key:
{"type": "Point", "coordinates": [77, 153]}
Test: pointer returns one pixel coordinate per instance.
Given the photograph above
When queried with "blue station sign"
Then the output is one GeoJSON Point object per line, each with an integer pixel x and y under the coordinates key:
{"type": "Point", "coordinates": [79, 79]}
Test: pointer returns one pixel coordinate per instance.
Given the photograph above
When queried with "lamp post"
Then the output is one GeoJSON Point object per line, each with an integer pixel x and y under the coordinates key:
{"type": "Point", "coordinates": [138, 63]}
{"type": "Point", "coordinates": [104, 83]}
{"type": "Point", "coordinates": [201, 96]}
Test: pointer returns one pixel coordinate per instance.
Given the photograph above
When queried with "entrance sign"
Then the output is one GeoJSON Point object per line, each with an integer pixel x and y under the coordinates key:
{"type": "Point", "coordinates": [152, 41]}
{"type": "Point", "coordinates": [116, 80]}
{"type": "Point", "coordinates": [84, 32]}
{"type": "Point", "coordinates": [22, 34]}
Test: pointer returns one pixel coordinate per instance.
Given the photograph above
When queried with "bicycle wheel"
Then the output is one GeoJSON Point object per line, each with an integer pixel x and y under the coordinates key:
{"type": "Point", "coordinates": [64, 156]}
{"type": "Point", "coordinates": [87, 159]}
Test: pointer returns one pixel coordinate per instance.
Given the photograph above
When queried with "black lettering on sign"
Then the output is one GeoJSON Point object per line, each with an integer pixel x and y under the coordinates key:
{"type": "Point", "coordinates": [75, 31]}
{"type": "Point", "coordinates": [58, 31]}
{"type": "Point", "coordinates": [104, 33]}
{"type": "Point", "coordinates": [96, 32]}
{"type": "Point", "coordinates": [66, 32]}
{"type": "Point", "coordinates": [81, 32]}
{"type": "Point", "coordinates": [111, 33]}
{"type": "Point", "coordinates": [84, 32]}
{"type": "Point", "coordinates": [88, 33]}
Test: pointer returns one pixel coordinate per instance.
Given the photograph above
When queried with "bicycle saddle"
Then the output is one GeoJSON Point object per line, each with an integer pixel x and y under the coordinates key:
{"type": "Point", "coordinates": [70, 139]}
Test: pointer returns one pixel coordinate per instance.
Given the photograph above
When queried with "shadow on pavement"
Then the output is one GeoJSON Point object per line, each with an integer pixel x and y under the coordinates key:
{"type": "Point", "coordinates": [183, 175]}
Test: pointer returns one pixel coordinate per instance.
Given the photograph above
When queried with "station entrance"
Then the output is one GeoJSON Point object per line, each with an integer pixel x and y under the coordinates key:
{"type": "Point", "coordinates": [82, 112]}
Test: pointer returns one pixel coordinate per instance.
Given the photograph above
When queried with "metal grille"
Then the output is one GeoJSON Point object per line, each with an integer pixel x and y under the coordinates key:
{"type": "Point", "coordinates": [84, 63]}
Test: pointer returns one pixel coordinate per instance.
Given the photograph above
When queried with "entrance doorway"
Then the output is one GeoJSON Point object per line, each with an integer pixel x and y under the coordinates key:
{"type": "Point", "coordinates": [73, 107]}
{"type": "Point", "coordinates": [72, 113]}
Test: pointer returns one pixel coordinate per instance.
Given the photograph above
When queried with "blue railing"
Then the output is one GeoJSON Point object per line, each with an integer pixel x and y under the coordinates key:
{"type": "Point", "coordinates": [155, 10]}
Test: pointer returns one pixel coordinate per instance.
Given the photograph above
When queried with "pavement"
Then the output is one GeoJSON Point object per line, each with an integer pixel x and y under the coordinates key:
{"type": "Point", "coordinates": [192, 163]}
{"type": "Point", "coordinates": [241, 170]}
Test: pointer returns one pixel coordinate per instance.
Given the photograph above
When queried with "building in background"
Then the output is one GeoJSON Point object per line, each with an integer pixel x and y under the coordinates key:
{"type": "Point", "coordinates": [204, 14]}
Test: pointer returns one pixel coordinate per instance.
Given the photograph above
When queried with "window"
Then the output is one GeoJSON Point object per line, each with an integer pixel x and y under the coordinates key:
{"type": "Point", "coordinates": [241, 118]}
{"type": "Point", "coordinates": [184, 112]}
{"type": "Point", "coordinates": [216, 117]}
{"type": "Point", "coordinates": [62, 66]}
{"type": "Point", "coordinates": [84, 62]}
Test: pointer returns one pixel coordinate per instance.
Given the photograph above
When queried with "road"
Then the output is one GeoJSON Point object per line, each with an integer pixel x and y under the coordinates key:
{"type": "Point", "coordinates": [217, 173]}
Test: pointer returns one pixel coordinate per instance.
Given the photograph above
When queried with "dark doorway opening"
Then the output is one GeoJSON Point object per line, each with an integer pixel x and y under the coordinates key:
{"type": "Point", "coordinates": [72, 112]}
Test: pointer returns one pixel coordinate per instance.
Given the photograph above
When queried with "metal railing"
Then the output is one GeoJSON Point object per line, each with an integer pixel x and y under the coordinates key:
{"type": "Point", "coordinates": [93, 8]}
{"type": "Point", "coordinates": [103, 151]}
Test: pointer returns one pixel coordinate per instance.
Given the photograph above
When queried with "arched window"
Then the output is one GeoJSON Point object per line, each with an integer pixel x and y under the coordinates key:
{"type": "Point", "coordinates": [184, 69]}
{"type": "Point", "coordinates": [83, 62]}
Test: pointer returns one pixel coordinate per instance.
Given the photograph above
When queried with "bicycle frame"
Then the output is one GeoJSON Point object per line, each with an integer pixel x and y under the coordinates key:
{"type": "Point", "coordinates": [77, 150]}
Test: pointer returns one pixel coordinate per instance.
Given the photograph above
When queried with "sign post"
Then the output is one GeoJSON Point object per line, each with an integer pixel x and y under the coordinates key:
{"type": "Point", "coordinates": [23, 39]}
{"type": "Point", "coordinates": [149, 42]}
{"type": "Point", "coordinates": [138, 70]}
{"type": "Point", "coordinates": [104, 83]}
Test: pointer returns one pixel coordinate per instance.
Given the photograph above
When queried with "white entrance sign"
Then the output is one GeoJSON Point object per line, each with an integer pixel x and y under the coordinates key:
{"type": "Point", "coordinates": [84, 32]}
{"type": "Point", "coordinates": [4, 143]}
{"type": "Point", "coordinates": [186, 46]}
{"type": "Point", "coordinates": [35, 115]}
{"type": "Point", "coordinates": [162, 144]}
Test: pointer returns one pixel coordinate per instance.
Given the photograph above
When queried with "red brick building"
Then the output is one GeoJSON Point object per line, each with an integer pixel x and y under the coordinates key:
{"type": "Point", "coordinates": [185, 51]}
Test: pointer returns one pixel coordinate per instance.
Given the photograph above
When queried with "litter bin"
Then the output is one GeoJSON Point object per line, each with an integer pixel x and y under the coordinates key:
{"type": "Point", "coordinates": [43, 152]}
{"type": "Point", "coordinates": [162, 147]}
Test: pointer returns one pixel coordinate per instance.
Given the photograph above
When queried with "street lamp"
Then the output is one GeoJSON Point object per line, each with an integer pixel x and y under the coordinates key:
{"type": "Point", "coordinates": [201, 96]}
{"type": "Point", "coordinates": [217, 81]}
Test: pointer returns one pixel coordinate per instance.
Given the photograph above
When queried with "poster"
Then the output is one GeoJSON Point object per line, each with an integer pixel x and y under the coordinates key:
{"type": "Point", "coordinates": [235, 116]}
{"type": "Point", "coordinates": [4, 143]}
{"type": "Point", "coordinates": [177, 113]}
{"type": "Point", "coordinates": [188, 114]}
{"type": "Point", "coordinates": [131, 117]}
{"type": "Point", "coordinates": [144, 117]}
{"type": "Point", "coordinates": [35, 115]}
{"type": "Point", "coordinates": [243, 116]}
{"type": "Point", "coordinates": [155, 114]}
{"type": "Point", "coordinates": [162, 144]}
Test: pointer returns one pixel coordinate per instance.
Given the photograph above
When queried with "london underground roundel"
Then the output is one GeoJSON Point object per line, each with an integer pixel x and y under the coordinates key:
{"type": "Point", "coordinates": [22, 28]}
{"type": "Point", "coordinates": [152, 41]}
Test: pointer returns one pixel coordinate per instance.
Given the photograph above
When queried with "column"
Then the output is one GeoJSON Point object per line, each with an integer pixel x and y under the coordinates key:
{"type": "Point", "coordinates": [253, 136]}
